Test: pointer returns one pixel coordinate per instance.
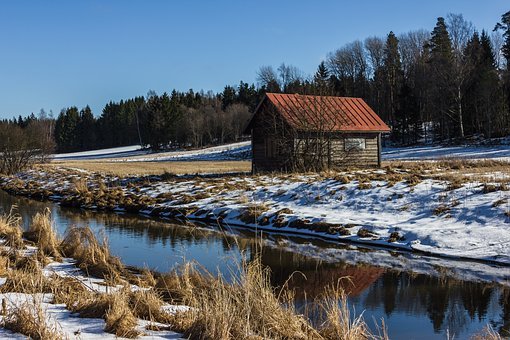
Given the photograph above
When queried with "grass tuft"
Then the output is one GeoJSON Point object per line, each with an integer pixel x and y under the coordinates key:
{"type": "Point", "coordinates": [29, 319]}
{"type": "Point", "coordinates": [43, 233]}
{"type": "Point", "coordinates": [92, 256]}
{"type": "Point", "coordinates": [10, 229]}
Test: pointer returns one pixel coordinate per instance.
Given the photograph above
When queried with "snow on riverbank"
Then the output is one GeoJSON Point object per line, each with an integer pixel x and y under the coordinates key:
{"type": "Point", "coordinates": [70, 325]}
{"type": "Point", "coordinates": [393, 208]}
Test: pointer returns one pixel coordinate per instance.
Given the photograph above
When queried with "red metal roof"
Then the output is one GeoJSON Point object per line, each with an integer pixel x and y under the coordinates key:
{"type": "Point", "coordinates": [326, 113]}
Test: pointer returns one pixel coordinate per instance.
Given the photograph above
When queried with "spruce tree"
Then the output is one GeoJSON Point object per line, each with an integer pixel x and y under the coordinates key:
{"type": "Point", "coordinates": [321, 80]}
{"type": "Point", "coordinates": [392, 75]}
{"type": "Point", "coordinates": [441, 80]}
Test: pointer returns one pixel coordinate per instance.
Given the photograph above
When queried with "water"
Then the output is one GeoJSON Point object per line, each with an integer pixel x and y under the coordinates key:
{"type": "Point", "coordinates": [413, 306]}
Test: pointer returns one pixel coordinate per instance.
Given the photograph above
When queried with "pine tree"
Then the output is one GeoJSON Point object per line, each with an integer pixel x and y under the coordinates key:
{"type": "Point", "coordinates": [321, 82]}
{"type": "Point", "coordinates": [441, 64]}
{"type": "Point", "coordinates": [392, 75]}
{"type": "Point", "coordinates": [485, 104]}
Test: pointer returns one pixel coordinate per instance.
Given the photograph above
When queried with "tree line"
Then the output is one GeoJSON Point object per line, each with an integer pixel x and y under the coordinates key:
{"type": "Point", "coordinates": [443, 85]}
{"type": "Point", "coordinates": [183, 119]}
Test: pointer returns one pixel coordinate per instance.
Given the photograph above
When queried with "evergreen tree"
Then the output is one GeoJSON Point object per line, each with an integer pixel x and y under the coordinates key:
{"type": "Point", "coordinates": [441, 79]}
{"type": "Point", "coordinates": [392, 74]}
{"type": "Point", "coordinates": [65, 129]}
{"type": "Point", "coordinates": [86, 130]}
{"type": "Point", "coordinates": [321, 82]}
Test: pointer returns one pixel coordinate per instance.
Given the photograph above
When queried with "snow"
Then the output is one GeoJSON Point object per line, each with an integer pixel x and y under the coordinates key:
{"type": "Point", "coordinates": [497, 152]}
{"type": "Point", "coordinates": [124, 151]}
{"type": "Point", "coordinates": [135, 153]}
{"type": "Point", "coordinates": [71, 325]}
{"type": "Point", "coordinates": [232, 151]}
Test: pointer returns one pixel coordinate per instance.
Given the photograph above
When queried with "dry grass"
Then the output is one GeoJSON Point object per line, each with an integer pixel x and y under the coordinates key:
{"type": "Point", "coordinates": [10, 229]}
{"type": "Point", "coordinates": [27, 280]}
{"type": "Point", "coordinates": [91, 255]}
{"type": "Point", "coordinates": [43, 233]}
{"type": "Point", "coordinates": [488, 333]}
{"type": "Point", "coordinates": [155, 168]}
{"type": "Point", "coordinates": [119, 317]}
{"type": "Point", "coordinates": [247, 308]}
{"type": "Point", "coordinates": [337, 322]}
{"type": "Point", "coordinates": [252, 213]}
{"type": "Point", "coordinates": [29, 319]}
{"type": "Point", "coordinates": [147, 305]}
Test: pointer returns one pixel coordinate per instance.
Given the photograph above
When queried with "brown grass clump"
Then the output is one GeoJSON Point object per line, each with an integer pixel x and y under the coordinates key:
{"type": "Point", "coordinates": [364, 185]}
{"type": "Point", "coordinates": [487, 188]}
{"type": "Point", "coordinates": [335, 315]}
{"type": "Point", "coordinates": [179, 288]}
{"type": "Point", "coordinates": [247, 308]}
{"type": "Point", "coordinates": [92, 256]}
{"type": "Point", "coordinates": [252, 212]}
{"type": "Point", "coordinates": [119, 318]}
{"type": "Point", "coordinates": [68, 290]}
{"type": "Point", "coordinates": [147, 305]}
{"type": "Point", "coordinates": [29, 319]}
{"type": "Point", "coordinates": [29, 280]}
{"type": "Point", "coordinates": [113, 308]}
{"type": "Point", "coordinates": [363, 233]}
{"type": "Point", "coordinates": [10, 229]}
{"type": "Point", "coordinates": [4, 264]}
{"type": "Point", "coordinates": [440, 209]}
{"type": "Point", "coordinates": [43, 233]}
{"type": "Point", "coordinates": [80, 186]}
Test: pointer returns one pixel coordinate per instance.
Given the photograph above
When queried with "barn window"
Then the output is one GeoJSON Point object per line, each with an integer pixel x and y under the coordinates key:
{"type": "Point", "coordinates": [354, 144]}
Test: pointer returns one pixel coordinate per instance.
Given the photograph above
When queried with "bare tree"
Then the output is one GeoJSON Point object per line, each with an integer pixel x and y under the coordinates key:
{"type": "Point", "coordinates": [460, 31]}
{"type": "Point", "coordinates": [267, 77]}
{"type": "Point", "coordinates": [20, 148]}
{"type": "Point", "coordinates": [411, 48]}
{"type": "Point", "coordinates": [349, 63]}
{"type": "Point", "coordinates": [497, 42]}
{"type": "Point", "coordinates": [375, 51]}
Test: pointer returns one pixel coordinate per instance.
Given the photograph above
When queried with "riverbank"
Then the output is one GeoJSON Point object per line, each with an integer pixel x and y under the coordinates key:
{"type": "Point", "coordinates": [54, 288]}
{"type": "Point", "coordinates": [457, 209]}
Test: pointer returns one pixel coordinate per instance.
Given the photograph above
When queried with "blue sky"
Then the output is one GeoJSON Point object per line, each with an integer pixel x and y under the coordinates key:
{"type": "Point", "coordinates": [56, 54]}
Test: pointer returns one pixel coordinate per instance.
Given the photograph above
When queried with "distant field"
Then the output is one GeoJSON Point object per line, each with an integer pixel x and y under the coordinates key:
{"type": "Point", "coordinates": [156, 168]}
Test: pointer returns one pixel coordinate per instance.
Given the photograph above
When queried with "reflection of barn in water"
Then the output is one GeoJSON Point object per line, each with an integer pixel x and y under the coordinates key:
{"type": "Point", "coordinates": [311, 277]}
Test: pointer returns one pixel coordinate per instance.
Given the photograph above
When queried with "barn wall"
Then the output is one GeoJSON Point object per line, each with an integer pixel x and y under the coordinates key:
{"type": "Point", "coordinates": [369, 157]}
{"type": "Point", "coordinates": [263, 128]}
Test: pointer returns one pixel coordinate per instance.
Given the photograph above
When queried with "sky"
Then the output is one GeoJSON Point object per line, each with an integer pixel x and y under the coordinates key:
{"type": "Point", "coordinates": [61, 53]}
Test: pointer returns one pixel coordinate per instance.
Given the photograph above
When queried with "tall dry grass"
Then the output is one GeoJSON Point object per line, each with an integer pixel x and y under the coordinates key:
{"type": "Point", "coordinates": [30, 319]}
{"type": "Point", "coordinates": [42, 232]}
{"type": "Point", "coordinates": [337, 320]}
{"type": "Point", "coordinates": [92, 256]}
{"type": "Point", "coordinates": [10, 229]}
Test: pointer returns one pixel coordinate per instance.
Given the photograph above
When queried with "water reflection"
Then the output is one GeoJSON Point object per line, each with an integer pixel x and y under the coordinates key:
{"type": "Point", "coordinates": [413, 306]}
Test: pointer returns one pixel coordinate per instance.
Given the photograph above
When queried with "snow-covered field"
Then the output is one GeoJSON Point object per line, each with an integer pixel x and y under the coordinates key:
{"type": "Point", "coordinates": [496, 152]}
{"type": "Point", "coordinates": [242, 150]}
{"type": "Point", "coordinates": [135, 153]}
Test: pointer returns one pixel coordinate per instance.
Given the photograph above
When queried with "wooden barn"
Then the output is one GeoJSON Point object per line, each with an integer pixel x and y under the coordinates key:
{"type": "Point", "coordinates": [292, 132]}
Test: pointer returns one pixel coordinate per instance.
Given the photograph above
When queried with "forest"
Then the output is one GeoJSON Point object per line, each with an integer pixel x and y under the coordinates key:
{"type": "Point", "coordinates": [440, 86]}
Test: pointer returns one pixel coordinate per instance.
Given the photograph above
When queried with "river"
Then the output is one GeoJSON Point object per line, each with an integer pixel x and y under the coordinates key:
{"type": "Point", "coordinates": [414, 304]}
